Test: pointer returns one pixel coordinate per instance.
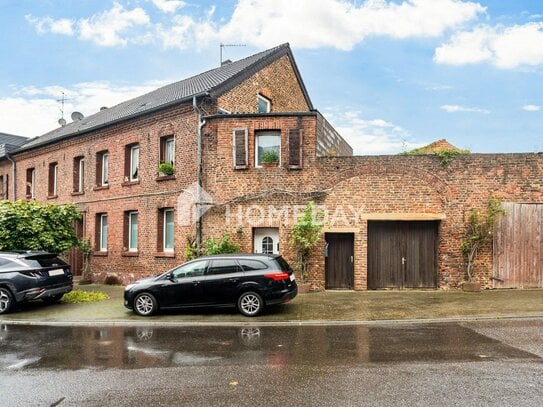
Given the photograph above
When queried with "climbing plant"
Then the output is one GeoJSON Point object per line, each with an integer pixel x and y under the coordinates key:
{"type": "Point", "coordinates": [479, 230]}
{"type": "Point", "coordinates": [305, 234]}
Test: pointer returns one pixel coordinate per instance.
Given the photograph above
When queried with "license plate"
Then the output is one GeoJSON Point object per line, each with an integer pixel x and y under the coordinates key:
{"type": "Point", "coordinates": [292, 278]}
{"type": "Point", "coordinates": [56, 272]}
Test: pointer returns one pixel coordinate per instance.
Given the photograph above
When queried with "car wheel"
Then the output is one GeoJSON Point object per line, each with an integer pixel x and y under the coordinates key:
{"type": "Point", "coordinates": [6, 300]}
{"type": "Point", "coordinates": [145, 304]}
{"type": "Point", "coordinates": [53, 299]}
{"type": "Point", "coordinates": [250, 304]}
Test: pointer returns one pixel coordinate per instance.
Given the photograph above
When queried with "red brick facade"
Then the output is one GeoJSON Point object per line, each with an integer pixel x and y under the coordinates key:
{"type": "Point", "coordinates": [364, 188]}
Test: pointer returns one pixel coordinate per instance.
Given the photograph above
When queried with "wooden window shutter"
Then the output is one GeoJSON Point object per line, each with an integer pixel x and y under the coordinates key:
{"type": "Point", "coordinates": [239, 149]}
{"type": "Point", "coordinates": [295, 148]}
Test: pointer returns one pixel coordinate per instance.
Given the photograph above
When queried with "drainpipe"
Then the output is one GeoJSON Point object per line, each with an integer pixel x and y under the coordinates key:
{"type": "Point", "coordinates": [201, 124]}
{"type": "Point", "coordinates": [13, 176]}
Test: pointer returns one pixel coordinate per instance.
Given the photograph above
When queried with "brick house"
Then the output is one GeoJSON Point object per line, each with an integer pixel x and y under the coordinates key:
{"type": "Point", "coordinates": [390, 221]}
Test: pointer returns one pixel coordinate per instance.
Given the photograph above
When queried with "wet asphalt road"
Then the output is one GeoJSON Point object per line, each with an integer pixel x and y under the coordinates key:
{"type": "Point", "coordinates": [472, 363]}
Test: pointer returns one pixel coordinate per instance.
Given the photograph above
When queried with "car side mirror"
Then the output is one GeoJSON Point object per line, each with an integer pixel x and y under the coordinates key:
{"type": "Point", "coordinates": [170, 277]}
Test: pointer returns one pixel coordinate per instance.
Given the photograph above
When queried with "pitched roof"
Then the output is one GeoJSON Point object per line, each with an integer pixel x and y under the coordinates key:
{"type": "Point", "coordinates": [214, 82]}
{"type": "Point", "coordinates": [10, 142]}
{"type": "Point", "coordinates": [437, 146]}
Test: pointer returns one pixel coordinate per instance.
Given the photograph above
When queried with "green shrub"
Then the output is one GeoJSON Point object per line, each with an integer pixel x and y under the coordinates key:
{"type": "Point", "coordinates": [79, 296]}
{"type": "Point", "coordinates": [32, 225]}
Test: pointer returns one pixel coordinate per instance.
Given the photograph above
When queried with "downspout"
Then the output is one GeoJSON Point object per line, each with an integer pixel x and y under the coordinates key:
{"type": "Point", "coordinates": [201, 124]}
{"type": "Point", "coordinates": [13, 176]}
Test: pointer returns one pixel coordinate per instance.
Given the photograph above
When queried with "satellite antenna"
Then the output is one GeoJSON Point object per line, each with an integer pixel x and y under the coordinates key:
{"type": "Point", "coordinates": [229, 45]}
{"type": "Point", "coordinates": [76, 116]}
{"type": "Point", "coordinates": [62, 122]}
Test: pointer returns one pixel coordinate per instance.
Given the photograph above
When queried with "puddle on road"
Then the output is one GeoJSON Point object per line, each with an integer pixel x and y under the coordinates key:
{"type": "Point", "coordinates": [31, 347]}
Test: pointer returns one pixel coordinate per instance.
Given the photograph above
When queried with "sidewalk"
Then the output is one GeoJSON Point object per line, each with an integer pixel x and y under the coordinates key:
{"type": "Point", "coordinates": [325, 307]}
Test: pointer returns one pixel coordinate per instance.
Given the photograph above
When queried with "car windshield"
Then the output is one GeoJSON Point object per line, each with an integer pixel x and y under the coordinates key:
{"type": "Point", "coordinates": [44, 261]}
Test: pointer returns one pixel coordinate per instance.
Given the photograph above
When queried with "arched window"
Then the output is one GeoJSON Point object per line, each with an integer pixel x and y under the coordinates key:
{"type": "Point", "coordinates": [267, 245]}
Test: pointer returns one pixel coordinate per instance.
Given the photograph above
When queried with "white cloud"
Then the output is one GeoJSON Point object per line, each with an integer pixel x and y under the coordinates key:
{"type": "Point", "coordinates": [168, 6]}
{"type": "Point", "coordinates": [31, 111]}
{"type": "Point", "coordinates": [44, 25]}
{"type": "Point", "coordinates": [457, 108]}
{"type": "Point", "coordinates": [114, 27]}
{"type": "Point", "coordinates": [504, 47]}
{"type": "Point", "coordinates": [367, 137]}
{"type": "Point", "coordinates": [339, 24]}
{"type": "Point", "coordinates": [107, 28]}
{"type": "Point", "coordinates": [532, 108]}
{"type": "Point", "coordinates": [342, 24]}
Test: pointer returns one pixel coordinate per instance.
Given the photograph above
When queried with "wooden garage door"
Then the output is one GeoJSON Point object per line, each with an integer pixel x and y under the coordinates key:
{"type": "Point", "coordinates": [518, 247]}
{"type": "Point", "coordinates": [402, 254]}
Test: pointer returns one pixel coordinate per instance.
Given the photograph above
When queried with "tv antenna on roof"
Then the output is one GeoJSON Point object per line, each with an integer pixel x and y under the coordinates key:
{"type": "Point", "coordinates": [229, 45]}
{"type": "Point", "coordinates": [61, 121]}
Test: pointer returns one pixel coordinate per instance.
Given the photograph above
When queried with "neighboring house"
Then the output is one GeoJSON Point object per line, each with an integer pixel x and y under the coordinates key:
{"type": "Point", "coordinates": [391, 221]}
{"type": "Point", "coordinates": [8, 144]}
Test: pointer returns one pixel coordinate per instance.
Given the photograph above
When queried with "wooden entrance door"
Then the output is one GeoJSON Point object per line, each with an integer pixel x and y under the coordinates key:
{"type": "Point", "coordinates": [402, 254]}
{"type": "Point", "coordinates": [339, 261]}
{"type": "Point", "coordinates": [75, 257]}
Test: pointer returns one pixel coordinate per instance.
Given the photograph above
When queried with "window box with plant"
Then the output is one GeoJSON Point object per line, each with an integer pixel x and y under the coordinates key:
{"type": "Point", "coordinates": [165, 169]}
{"type": "Point", "coordinates": [270, 159]}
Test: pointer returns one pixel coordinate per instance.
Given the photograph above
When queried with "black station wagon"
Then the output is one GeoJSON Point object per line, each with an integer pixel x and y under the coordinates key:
{"type": "Point", "coordinates": [30, 275]}
{"type": "Point", "coordinates": [246, 281]}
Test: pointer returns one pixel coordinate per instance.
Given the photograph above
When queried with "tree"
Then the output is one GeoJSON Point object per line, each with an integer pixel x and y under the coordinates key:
{"type": "Point", "coordinates": [479, 230]}
{"type": "Point", "coordinates": [305, 234]}
{"type": "Point", "coordinates": [31, 225]}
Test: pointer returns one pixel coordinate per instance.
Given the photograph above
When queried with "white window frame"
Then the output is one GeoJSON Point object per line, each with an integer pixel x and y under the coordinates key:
{"type": "Point", "coordinates": [164, 231]}
{"type": "Point", "coordinates": [103, 236]}
{"type": "Point", "coordinates": [33, 183]}
{"type": "Point", "coordinates": [169, 141]}
{"type": "Point", "coordinates": [55, 174]}
{"type": "Point", "coordinates": [132, 246]}
{"type": "Point", "coordinates": [260, 98]}
{"type": "Point", "coordinates": [81, 180]}
{"type": "Point", "coordinates": [105, 165]}
{"type": "Point", "coordinates": [267, 133]}
{"type": "Point", "coordinates": [134, 162]}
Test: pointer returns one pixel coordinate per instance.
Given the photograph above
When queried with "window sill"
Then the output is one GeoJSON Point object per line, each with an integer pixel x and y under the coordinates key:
{"type": "Point", "coordinates": [130, 183]}
{"type": "Point", "coordinates": [99, 254]}
{"type": "Point", "coordinates": [165, 254]}
{"type": "Point", "coordinates": [100, 187]}
{"type": "Point", "coordinates": [29, 197]}
{"type": "Point", "coordinates": [130, 254]}
{"type": "Point", "coordinates": [165, 177]}
{"type": "Point", "coordinates": [52, 196]}
{"type": "Point", "coordinates": [76, 193]}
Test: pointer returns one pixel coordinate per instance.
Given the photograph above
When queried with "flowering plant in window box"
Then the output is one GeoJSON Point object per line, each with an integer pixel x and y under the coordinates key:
{"type": "Point", "coordinates": [270, 159]}
{"type": "Point", "coordinates": [165, 169]}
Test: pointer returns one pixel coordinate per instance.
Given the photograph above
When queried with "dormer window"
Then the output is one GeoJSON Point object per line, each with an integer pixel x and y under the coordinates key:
{"type": "Point", "coordinates": [264, 104]}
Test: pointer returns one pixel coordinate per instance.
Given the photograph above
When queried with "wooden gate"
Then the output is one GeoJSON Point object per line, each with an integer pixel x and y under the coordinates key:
{"type": "Point", "coordinates": [75, 257]}
{"type": "Point", "coordinates": [339, 261]}
{"type": "Point", "coordinates": [518, 247]}
{"type": "Point", "coordinates": [402, 254]}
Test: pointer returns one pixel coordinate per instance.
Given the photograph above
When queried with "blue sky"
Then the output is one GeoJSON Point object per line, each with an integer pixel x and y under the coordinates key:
{"type": "Point", "coordinates": [389, 75]}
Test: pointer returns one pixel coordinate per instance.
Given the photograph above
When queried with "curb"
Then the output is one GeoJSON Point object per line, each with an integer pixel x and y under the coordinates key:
{"type": "Point", "coordinates": [166, 324]}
